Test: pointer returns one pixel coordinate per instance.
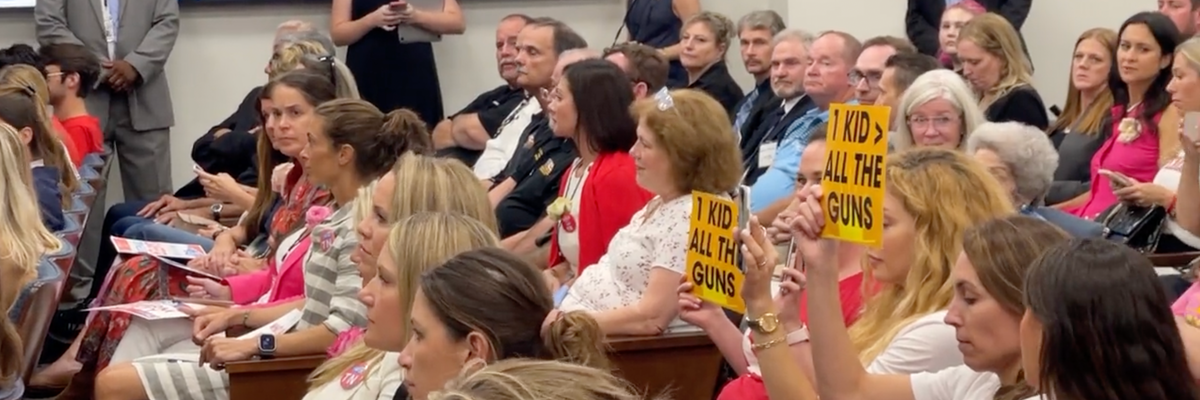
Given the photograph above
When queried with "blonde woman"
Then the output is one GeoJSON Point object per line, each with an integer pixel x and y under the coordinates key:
{"type": "Point", "coordinates": [46, 145]}
{"type": "Point", "coordinates": [22, 236]}
{"type": "Point", "coordinates": [903, 328]}
{"type": "Point", "coordinates": [34, 80]}
{"type": "Point", "coordinates": [995, 63]}
{"type": "Point", "coordinates": [938, 110]}
{"type": "Point", "coordinates": [525, 379]}
{"type": "Point", "coordinates": [431, 185]}
{"type": "Point", "coordinates": [1077, 133]}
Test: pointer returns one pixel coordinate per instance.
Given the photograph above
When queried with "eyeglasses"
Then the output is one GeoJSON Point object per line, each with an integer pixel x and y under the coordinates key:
{"type": "Point", "coordinates": [872, 77]}
{"type": "Point", "coordinates": [939, 122]}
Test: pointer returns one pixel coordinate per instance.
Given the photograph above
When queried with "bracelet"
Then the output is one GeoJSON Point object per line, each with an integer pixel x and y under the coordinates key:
{"type": "Point", "coordinates": [246, 319]}
{"type": "Point", "coordinates": [769, 344]}
{"type": "Point", "coordinates": [798, 336]}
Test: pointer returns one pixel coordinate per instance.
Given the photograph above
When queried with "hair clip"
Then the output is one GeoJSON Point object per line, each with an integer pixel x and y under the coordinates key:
{"type": "Point", "coordinates": [327, 58]}
{"type": "Point", "coordinates": [664, 100]}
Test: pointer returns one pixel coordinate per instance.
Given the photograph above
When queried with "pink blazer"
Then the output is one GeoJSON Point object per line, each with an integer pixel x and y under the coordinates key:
{"type": "Point", "coordinates": [285, 282]}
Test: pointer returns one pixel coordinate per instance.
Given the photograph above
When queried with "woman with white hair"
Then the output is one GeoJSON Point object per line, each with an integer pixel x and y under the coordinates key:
{"type": "Point", "coordinates": [939, 110]}
{"type": "Point", "coordinates": [1023, 159]}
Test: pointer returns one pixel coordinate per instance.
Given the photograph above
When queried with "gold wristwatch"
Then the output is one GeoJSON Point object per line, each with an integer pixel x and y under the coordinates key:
{"type": "Point", "coordinates": [765, 324]}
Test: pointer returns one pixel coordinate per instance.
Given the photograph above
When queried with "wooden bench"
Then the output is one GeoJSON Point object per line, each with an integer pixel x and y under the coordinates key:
{"type": "Point", "coordinates": [686, 365]}
{"type": "Point", "coordinates": [1174, 260]}
{"type": "Point", "coordinates": [280, 378]}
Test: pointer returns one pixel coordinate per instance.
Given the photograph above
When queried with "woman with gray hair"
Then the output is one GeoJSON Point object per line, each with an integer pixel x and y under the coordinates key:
{"type": "Point", "coordinates": [1023, 159]}
{"type": "Point", "coordinates": [939, 110]}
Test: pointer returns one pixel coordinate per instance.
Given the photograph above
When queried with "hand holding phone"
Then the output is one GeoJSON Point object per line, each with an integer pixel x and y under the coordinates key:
{"type": "Point", "coordinates": [1116, 179]}
{"type": "Point", "coordinates": [1191, 126]}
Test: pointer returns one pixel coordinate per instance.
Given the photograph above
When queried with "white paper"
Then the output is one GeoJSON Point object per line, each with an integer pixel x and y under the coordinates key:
{"type": "Point", "coordinates": [186, 268]}
{"type": "Point", "coordinates": [766, 154]}
{"type": "Point", "coordinates": [160, 249]}
{"type": "Point", "coordinates": [277, 327]}
{"type": "Point", "coordinates": [151, 309]}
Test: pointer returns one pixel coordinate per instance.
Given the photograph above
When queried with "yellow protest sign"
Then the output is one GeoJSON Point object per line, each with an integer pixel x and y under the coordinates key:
{"type": "Point", "coordinates": [713, 251]}
{"type": "Point", "coordinates": [855, 173]}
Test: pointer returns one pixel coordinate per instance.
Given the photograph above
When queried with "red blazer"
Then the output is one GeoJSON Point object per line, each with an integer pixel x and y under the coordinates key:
{"type": "Point", "coordinates": [285, 281]}
{"type": "Point", "coordinates": [609, 198]}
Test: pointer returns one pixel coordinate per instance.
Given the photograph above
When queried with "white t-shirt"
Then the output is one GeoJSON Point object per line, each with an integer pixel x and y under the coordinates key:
{"type": "Point", "coordinates": [568, 241]}
{"type": "Point", "coordinates": [958, 383]}
{"type": "Point", "coordinates": [620, 278]}
{"type": "Point", "coordinates": [927, 344]}
{"type": "Point", "coordinates": [1168, 176]}
{"type": "Point", "coordinates": [500, 148]}
{"type": "Point", "coordinates": [380, 384]}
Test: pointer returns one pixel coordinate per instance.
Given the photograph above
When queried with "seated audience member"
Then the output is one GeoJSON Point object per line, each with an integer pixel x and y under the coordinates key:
{"type": "Point", "coordinates": [463, 135]}
{"type": "Point", "coordinates": [341, 125]}
{"type": "Point", "coordinates": [487, 305]}
{"type": "Point", "coordinates": [1142, 139]}
{"type": "Point", "coordinates": [53, 181]}
{"type": "Point", "coordinates": [645, 67]}
{"type": "Point", "coordinates": [34, 79]}
{"type": "Point", "coordinates": [71, 73]}
{"type": "Point", "coordinates": [938, 110]}
{"type": "Point", "coordinates": [523, 379]}
{"type": "Point", "coordinates": [724, 333]}
{"type": "Point", "coordinates": [11, 386]}
{"type": "Point", "coordinates": [683, 146]}
{"type": "Point", "coordinates": [25, 240]}
{"type": "Point", "coordinates": [350, 144]}
{"type": "Point", "coordinates": [1080, 130]}
{"type": "Point", "coordinates": [789, 54]}
{"type": "Point", "coordinates": [927, 22]}
{"type": "Point", "coordinates": [952, 19]}
{"type": "Point", "coordinates": [986, 311]}
{"type": "Point", "coordinates": [868, 68]}
{"type": "Point", "coordinates": [756, 34]}
{"type": "Point", "coordinates": [898, 74]}
{"type": "Point", "coordinates": [1022, 159]}
{"type": "Point", "coordinates": [826, 81]}
{"type": "Point", "coordinates": [416, 244]}
{"type": "Point", "coordinates": [1185, 93]}
{"type": "Point", "coordinates": [904, 327]}
{"type": "Point", "coordinates": [533, 174]}
{"type": "Point", "coordinates": [1185, 14]}
{"type": "Point", "coordinates": [599, 191]}
{"type": "Point", "coordinates": [704, 39]}
{"type": "Point", "coordinates": [539, 45]}
{"type": "Point", "coordinates": [292, 99]}
{"type": "Point", "coordinates": [995, 63]}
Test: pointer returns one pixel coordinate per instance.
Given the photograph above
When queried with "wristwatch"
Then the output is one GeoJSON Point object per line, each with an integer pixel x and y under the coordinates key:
{"type": "Point", "coordinates": [216, 211]}
{"type": "Point", "coordinates": [765, 324]}
{"type": "Point", "coordinates": [266, 346]}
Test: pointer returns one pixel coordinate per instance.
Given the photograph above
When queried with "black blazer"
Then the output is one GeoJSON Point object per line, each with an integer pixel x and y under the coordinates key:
{"type": "Point", "coordinates": [769, 132]}
{"type": "Point", "coordinates": [764, 104]}
{"type": "Point", "coordinates": [1022, 105]}
{"type": "Point", "coordinates": [924, 18]}
{"type": "Point", "coordinates": [232, 153]}
{"type": "Point", "coordinates": [717, 82]}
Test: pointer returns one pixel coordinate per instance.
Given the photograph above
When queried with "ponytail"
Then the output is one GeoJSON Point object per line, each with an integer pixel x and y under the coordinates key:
{"type": "Point", "coordinates": [407, 126]}
{"type": "Point", "coordinates": [575, 337]}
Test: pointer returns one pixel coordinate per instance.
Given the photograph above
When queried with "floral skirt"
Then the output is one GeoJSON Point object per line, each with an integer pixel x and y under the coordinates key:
{"type": "Point", "coordinates": [135, 279]}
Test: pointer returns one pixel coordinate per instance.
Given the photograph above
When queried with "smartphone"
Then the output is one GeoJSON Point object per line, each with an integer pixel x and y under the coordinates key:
{"type": "Point", "coordinates": [1191, 126]}
{"type": "Point", "coordinates": [1116, 180]}
{"type": "Point", "coordinates": [741, 197]}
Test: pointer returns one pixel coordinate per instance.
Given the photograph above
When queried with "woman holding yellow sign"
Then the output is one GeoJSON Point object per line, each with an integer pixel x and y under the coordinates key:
{"type": "Point", "coordinates": [902, 329]}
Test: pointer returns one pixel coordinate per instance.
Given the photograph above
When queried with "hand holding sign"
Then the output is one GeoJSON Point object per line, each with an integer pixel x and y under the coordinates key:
{"type": "Point", "coordinates": [817, 253]}
{"type": "Point", "coordinates": [695, 311]}
{"type": "Point", "coordinates": [712, 251]}
{"type": "Point", "coordinates": [760, 261]}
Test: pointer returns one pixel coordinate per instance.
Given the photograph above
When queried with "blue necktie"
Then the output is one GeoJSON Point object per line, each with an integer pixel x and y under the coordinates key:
{"type": "Point", "coordinates": [744, 111]}
{"type": "Point", "coordinates": [114, 13]}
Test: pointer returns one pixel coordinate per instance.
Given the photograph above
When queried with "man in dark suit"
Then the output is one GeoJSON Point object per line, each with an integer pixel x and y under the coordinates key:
{"type": "Point", "coordinates": [133, 102]}
{"type": "Point", "coordinates": [924, 18]}
{"type": "Point", "coordinates": [756, 32]}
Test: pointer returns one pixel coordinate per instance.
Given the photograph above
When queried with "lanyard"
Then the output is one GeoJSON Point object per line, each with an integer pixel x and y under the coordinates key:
{"type": "Point", "coordinates": [110, 30]}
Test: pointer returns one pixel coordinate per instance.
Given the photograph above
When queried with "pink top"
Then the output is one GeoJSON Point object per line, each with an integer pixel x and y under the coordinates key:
{"type": "Point", "coordinates": [1137, 159]}
{"type": "Point", "coordinates": [284, 282]}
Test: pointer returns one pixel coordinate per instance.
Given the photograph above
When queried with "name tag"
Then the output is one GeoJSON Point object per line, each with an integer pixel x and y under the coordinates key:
{"type": "Point", "coordinates": [766, 154]}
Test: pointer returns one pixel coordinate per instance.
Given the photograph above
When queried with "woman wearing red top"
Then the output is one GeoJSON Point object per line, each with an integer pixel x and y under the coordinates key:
{"type": "Point", "coordinates": [599, 193]}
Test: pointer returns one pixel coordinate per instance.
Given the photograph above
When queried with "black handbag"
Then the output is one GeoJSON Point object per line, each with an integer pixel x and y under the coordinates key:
{"type": "Point", "coordinates": [1135, 226]}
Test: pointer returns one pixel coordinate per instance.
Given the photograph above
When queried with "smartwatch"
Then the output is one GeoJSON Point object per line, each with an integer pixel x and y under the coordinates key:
{"type": "Point", "coordinates": [216, 211]}
{"type": "Point", "coordinates": [266, 346]}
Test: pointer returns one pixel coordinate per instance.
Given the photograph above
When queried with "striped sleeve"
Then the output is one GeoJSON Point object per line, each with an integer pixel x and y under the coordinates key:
{"type": "Point", "coordinates": [331, 280]}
